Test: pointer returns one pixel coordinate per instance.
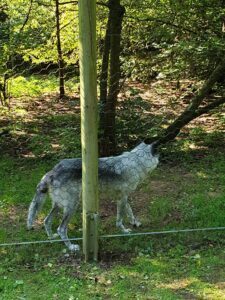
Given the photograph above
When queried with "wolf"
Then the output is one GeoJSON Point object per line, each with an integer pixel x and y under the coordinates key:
{"type": "Point", "coordinates": [118, 175]}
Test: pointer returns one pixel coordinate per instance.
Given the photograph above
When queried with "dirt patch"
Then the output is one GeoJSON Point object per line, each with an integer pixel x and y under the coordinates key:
{"type": "Point", "coordinates": [172, 183]}
{"type": "Point", "coordinates": [13, 215]}
{"type": "Point", "coordinates": [186, 295]}
{"type": "Point", "coordinates": [107, 209]}
{"type": "Point", "coordinates": [221, 285]}
{"type": "Point", "coordinates": [156, 104]}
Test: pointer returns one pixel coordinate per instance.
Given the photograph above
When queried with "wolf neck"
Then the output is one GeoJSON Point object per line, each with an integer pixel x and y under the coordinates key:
{"type": "Point", "coordinates": [141, 146]}
{"type": "Point", "coordinates": [143, 153]}
{"type": "Point", "coordinates": [145, 161]}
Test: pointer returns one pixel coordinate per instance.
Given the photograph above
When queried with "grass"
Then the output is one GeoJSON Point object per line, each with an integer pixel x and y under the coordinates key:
{"type": "Point", "coordinates": [186, 191]}
{"type": "Point", "coordinates": [37, 85]}
{"type": "Point", "coordinates": [175, 275]}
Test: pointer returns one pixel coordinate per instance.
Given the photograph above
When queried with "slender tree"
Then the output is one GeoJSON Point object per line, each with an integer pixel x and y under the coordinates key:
{"type": "Point", "coordinates": [110, 76]}
{"type": "Point", "coordinates": [4, 54]}
{"type": "Point", "coordinates": [59, 50]}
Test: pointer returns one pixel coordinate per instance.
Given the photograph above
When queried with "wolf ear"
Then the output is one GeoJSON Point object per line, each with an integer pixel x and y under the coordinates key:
{"type": "Point", "coordinates": [151, 140]}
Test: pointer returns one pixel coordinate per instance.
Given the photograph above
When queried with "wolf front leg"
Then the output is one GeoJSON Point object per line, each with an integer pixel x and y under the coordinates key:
{"type": "Point", "coordinates": [121, 212]}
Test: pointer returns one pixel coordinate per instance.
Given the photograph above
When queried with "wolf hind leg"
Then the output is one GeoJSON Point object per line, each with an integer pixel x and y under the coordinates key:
{"type": "Point", "coordinates": [132, 218]}
{"type": "Point", "coordinates": [62, 231]}
{"type": "Point", "coordinates": [48, 222]}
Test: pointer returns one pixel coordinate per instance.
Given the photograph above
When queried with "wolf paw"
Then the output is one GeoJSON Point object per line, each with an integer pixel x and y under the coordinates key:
{"type": "Point", "coordinates": [74, 247]}
{"type": "Point", "coordinates": [127, 230]}
{"type": "Point", "coordinates": [136, 223]}
{"type": "Point", "coordinates": [30, 227]}
{"type": "Point", "coordinates": [53, 236]}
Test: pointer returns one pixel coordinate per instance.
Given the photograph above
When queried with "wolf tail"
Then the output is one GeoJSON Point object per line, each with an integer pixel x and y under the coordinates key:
{"type": "Point", "coordinates": [38, 201]}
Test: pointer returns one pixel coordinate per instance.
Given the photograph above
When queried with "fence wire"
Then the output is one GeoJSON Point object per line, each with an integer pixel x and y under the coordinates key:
{"type": "Point", "coordinates": [106, 236]}
{"type": "Point", "coordinates": [39, 61]}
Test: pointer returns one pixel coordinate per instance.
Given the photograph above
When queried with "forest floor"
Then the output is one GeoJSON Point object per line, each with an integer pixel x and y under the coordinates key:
{"type": "Point", "coordinates": [187, 190]}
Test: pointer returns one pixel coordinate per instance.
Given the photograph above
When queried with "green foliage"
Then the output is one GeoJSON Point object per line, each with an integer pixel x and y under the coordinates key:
{"type": "Point", "coordinates": [35, 40]}
{"type": "Point", "coordinates": [33, 86]}
{"type": "Point", "coordinates": [173, 37]}
{"type": "Point", "coordinates": [178, 38]}
{"type": "Point", "coordinates": [38, 85]}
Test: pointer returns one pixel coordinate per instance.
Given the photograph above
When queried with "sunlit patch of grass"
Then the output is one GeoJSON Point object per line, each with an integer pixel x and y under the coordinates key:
{"type": "Point", "coordinates": [206, 290]}
{"type": "Point", "coordinates": [195, 286]}
{"type": "Point", "coordinates": [32, 85]}
{"type": "Point", "coordinates": [37, 85]}
{"type": "Point", "coordinates": [161, 277]}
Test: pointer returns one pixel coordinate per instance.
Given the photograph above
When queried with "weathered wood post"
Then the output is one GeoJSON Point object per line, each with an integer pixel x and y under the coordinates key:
{"type": "Point", "coordinates": [88, 94]}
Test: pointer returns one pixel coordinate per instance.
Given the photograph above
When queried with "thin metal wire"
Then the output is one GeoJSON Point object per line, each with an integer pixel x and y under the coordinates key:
{"type": "Point", "coordinates": [163, 232]}
{"type": "Point", "coordinates": [116, 235]}
{"type": "Point", "coordinates": [38, 242]}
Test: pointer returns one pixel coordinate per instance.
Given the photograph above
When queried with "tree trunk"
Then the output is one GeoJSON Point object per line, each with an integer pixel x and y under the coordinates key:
{"type": "Point", "coordinates": [59, 50]}
{"type": "Point", "coordinates": [104, 77]}
{"type": "Point", "coordinates": [109, 96]}
{"type": "Point", "coordinates": [4, 96]}
{"type": "Point", "coordinates": [4, 43]}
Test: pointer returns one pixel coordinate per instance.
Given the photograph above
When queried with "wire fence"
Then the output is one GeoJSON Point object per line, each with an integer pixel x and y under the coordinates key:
{"type": "Point", "coordinates": [130, 235]}
{"type": "Point", "coordinates": [39, 70]}
{"type": "Point", "coordinates": [39, 47]}
{"type": "Point", "coordinates": [39, 43]}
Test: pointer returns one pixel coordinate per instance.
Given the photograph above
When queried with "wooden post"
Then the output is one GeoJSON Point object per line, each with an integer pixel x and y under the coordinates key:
{"type": "Point", "coordinates": [88, 95]}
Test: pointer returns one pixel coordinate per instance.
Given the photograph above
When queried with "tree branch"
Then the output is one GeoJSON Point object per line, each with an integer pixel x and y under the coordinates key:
{"type": "Point", "coordinates": [27, 16]}
{"type": "Point", "coordinates": [193, 111]}
{"type": "Point", "coordinates": [103, 4]}
{"type": "Point", "coordinates": [69, 2]}
{"type": "Point", "coordinates": [151, 19]}
{"type": "Point", "coordinates": [44, 4]}
{"type": "Point", "coordinates": [211, 106]}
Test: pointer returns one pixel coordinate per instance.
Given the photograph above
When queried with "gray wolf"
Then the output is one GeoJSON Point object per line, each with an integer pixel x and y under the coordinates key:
{"type": "Point", "coordinates": [119, 176]}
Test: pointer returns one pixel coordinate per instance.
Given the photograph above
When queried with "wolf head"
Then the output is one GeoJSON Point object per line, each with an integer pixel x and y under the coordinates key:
{"type": "Point", "coordinates": [151, 148]}
{"type": "Point", "coordinates": [154, 149]}
{"type": "Point", "coordinates": [147, 153]}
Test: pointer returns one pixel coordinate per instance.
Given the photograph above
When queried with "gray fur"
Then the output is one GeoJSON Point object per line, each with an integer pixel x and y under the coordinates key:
{"type": "Point", "coordinates": [119, 176]}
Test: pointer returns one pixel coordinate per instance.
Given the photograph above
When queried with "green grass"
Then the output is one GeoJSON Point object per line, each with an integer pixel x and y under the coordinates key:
{"type": "Point", "coordinates": [37, 85]}
{"type": "Point", "coordinates": [196, 275]}
{"type": "Point", "coordinates": [186, 191]}
{"type": "Point", "coordinates": [179, 266]}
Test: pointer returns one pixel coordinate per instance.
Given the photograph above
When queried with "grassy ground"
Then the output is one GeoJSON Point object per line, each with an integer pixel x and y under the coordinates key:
{"type": "Point", "coordinates": [186, 191]}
